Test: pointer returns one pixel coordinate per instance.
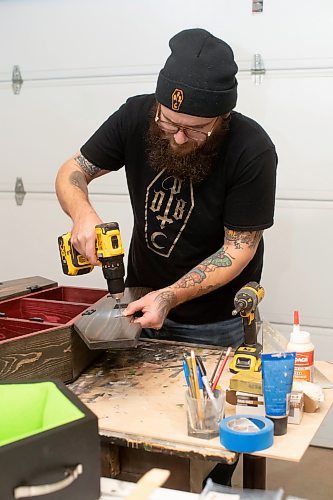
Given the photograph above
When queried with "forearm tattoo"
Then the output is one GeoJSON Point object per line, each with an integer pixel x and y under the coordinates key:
{"type": "Point", "coordinates": [165, 302]}
{"type": "Point", "coordinates": [89, 168]}
{"type": "Point", "coordinates": [199, 273]}
{"type": "Point", "coordinates": [239, 239]}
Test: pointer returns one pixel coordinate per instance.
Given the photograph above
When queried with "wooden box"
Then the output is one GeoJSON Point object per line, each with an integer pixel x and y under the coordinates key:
{"type": "Point", "coordinates": [37, 338]}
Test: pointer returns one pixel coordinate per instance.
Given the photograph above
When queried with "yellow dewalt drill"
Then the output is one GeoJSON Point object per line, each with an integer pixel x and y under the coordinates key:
{"type": "Point", "coordinates": [109, 251]}
{"type": "Point", "coordinates": [247, 356]}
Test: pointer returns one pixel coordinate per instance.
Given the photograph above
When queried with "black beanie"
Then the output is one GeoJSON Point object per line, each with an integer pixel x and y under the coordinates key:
{"type": "Point", "coordinates": [199, 76]}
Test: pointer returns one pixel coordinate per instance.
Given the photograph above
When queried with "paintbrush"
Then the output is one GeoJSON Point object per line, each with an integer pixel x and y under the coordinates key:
{"type": "Point", "coordinates": [220, 370]}
{"type": "Point", "coordinates": [148, 483]}
{"type": "Point", "coordinates": [216, 367]}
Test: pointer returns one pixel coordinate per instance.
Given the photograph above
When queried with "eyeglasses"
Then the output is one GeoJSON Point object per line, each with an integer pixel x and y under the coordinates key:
{"type": "Point", "coordinates": [173, 128]}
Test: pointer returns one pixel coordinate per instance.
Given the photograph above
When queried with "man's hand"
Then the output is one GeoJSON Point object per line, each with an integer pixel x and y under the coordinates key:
{"type": "Point", "coordinates": [83, 236]}
{"type": "Point", "coordinates": [154, 306]}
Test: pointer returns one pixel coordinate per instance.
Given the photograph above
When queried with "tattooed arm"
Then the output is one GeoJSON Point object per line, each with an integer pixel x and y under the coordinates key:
{"type": "Point", "coordinates": [72, 191]}
{"type": "Point", "coordinates": [223, 266]}
{"type": "Point", "coordinates": [217, 270]}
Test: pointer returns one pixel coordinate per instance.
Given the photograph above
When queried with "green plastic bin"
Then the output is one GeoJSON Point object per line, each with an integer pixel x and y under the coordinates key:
{"type": "Point", "coordinates": [49, 443]}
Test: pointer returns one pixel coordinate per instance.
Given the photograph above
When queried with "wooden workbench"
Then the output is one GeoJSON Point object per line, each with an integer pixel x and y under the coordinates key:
{"type": "Point", "coordinates": [138, 396]}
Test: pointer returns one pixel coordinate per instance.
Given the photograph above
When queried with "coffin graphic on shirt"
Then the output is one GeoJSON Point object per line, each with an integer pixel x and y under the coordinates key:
{"type": "Point", "coordinates": [169, 203]}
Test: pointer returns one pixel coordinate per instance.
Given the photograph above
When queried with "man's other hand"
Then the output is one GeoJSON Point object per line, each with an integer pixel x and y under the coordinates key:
{"type": "Point", "coordinates": [154, 307]}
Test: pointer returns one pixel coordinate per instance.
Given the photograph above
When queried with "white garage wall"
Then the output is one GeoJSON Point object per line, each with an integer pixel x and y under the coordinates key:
{"type": "Point", "coordinates": [130, 37]}
{"type": "Point", "coordinates": [80, 59]}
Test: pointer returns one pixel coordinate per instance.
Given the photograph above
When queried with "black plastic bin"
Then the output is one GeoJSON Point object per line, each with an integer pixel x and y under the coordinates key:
{"type": "Point", "coordinates": [49, 443]}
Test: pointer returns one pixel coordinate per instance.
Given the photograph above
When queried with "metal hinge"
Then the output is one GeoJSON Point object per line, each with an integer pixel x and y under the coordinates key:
{"type": "Point", "coordinates": [257, 6]}
{"type": "Point", "coordinates": [89, 312]}
{"type": "Point", "coordinates": [258, 69]}
{"type": "Point", "coordinates": [17, 80]}
{"type": "Point", "coordinates": [19, 191]}
{"type": "Point", "coordinates": [33, 288]}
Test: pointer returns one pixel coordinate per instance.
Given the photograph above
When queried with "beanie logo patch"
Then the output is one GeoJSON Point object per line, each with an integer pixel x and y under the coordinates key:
{"type": "Point", "coordinates": [176, 99]}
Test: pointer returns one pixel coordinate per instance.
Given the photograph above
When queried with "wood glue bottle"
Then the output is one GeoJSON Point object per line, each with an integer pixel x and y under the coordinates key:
{"type": "Point", "coordinates": [300, 342]}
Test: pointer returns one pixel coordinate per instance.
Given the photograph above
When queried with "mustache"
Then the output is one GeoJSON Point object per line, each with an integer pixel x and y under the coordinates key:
{"type": "Point", "coordinates": [190, 161]}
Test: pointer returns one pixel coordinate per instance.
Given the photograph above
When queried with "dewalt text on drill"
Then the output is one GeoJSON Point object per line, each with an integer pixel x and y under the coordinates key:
{"type": "Point", "coordinates": [247, 356]}
{"type": "Point", "coordinates": [110, 253]}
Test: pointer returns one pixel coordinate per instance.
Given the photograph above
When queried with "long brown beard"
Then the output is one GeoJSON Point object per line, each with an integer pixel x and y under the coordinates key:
{"type": "Point", "coordinates": [190, 161]}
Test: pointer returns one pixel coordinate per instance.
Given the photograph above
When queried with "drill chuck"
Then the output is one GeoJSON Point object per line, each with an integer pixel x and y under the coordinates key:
{"type": "Point", "coordinates": [247, 299]}
{"type": "Point", "coordinates": [240, 305]}
{"type": "Point", "coordinates": [111, 253]}
{"type": "Point", "coordinates": [114, 272]}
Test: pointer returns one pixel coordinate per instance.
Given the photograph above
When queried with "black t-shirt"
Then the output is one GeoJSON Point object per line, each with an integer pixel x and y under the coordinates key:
{"type": "Point", "coordinates": [176, 224]}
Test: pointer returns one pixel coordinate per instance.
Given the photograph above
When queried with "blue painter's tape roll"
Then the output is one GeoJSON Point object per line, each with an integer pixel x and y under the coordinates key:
{"type": "Point", "coordinates": [246, 433]}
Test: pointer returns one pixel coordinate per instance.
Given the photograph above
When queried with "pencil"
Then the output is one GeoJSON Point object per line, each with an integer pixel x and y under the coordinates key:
{"type": "Point", "coordinates": [196, 386]}
{"type": "Point", "coordinates": [190, 375]}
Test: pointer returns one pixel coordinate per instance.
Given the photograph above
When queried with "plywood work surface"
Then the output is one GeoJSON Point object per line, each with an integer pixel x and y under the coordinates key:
{"type": "Point", "coordinates": [139, 395]}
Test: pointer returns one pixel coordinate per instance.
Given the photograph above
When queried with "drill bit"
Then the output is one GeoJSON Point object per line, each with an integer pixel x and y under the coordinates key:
{"type": "Point", "coordinates": [117, 311]}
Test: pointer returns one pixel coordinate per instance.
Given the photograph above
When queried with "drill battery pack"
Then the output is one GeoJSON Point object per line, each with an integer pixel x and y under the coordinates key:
{"type": "Point", "coordinates": [72, 262]}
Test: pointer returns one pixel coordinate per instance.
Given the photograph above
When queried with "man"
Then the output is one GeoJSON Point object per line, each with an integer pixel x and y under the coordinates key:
{"type": "Point", "coordinates": [201, 180]}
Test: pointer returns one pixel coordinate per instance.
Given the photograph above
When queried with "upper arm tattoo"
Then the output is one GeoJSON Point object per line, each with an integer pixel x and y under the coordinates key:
{"type": "Point", "coordinates": [78, 180]}
{"type": "Point", "coordinates": [89, 168]}
{"type": "Point", "coordinates": [239, 239]}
